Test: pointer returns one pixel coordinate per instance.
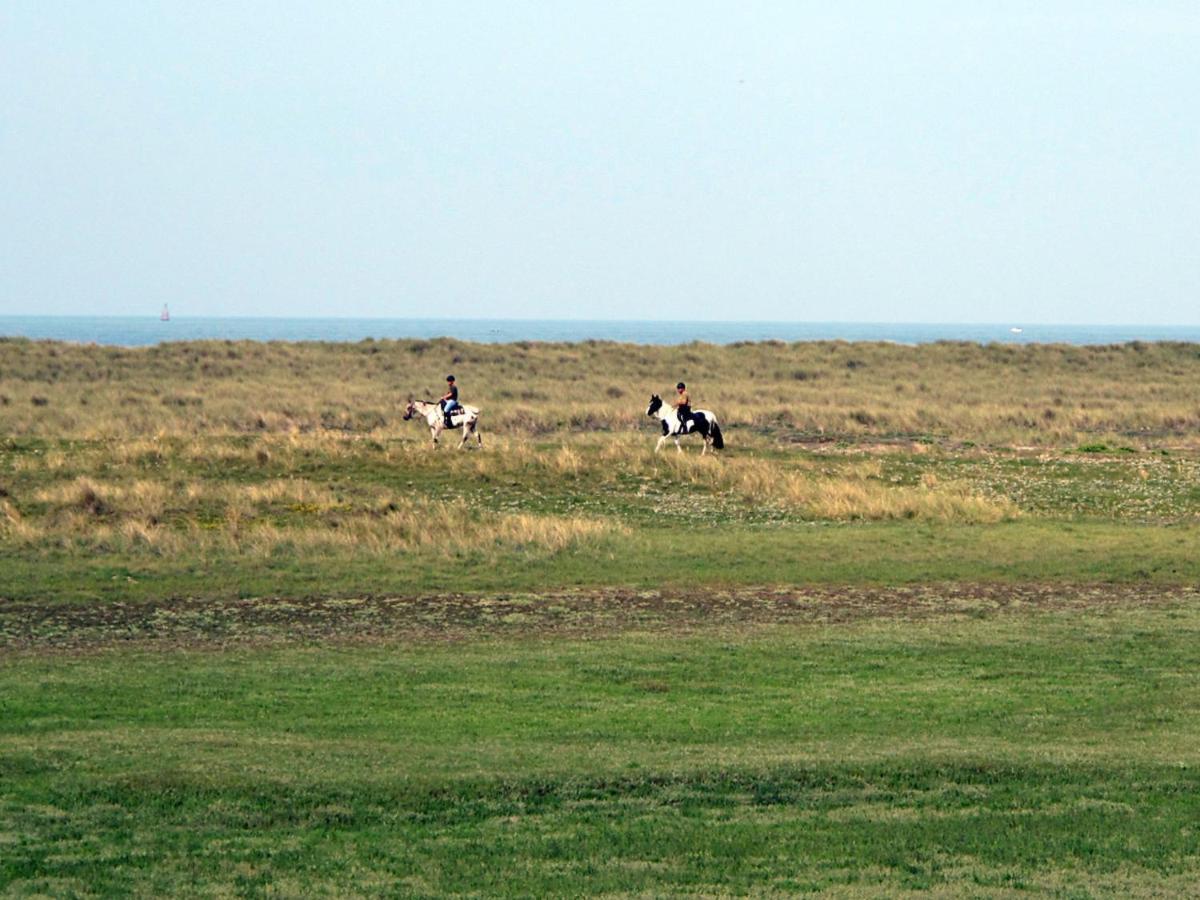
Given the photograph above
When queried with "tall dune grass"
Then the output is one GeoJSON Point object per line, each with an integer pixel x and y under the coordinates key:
{"type": "Point", "coordinates": [855, 492]}
{"type": "Point", "coordinates": [278, 517]}
{"type": "Point", "coordinates": [173, 494]}
{"type": "Point", "coordinates": [215, 444]}
{"type": "Point", "coordinates": [1002, 394]}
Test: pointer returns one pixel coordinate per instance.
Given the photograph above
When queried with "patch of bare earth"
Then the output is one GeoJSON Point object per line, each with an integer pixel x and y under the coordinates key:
{"type": "Point", "coordinates": [57, 627]}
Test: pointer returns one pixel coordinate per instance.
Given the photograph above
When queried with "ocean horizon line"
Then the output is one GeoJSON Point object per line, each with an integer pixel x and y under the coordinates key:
{"type": "Point", "coordinates": [133, 331]}
{"type": "Point", "coordinates": [899, 323]}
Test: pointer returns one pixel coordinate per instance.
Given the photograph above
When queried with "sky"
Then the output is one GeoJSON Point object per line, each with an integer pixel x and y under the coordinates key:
{"type": "Point", "coordinates": [878, 162]}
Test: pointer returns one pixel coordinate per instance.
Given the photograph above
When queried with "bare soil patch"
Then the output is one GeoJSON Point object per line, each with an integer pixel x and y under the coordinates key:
{"type": "Point", "coordinates": [208, 624]}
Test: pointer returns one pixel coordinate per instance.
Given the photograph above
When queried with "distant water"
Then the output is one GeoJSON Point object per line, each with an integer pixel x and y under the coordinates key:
{"type": "Point", "coordinates": [139, 331]}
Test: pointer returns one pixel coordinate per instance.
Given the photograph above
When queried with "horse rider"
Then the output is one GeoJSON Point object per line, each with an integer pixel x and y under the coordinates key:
{"type": "Point", "coordinates": [449, 399]}
{"type": "Point", "coordinates": [683, 406]}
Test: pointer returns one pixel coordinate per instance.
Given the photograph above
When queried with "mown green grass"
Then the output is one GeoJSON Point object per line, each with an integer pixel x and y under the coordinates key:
{"type": "Point", "coordinates": [1050, 750]}
{"type": "Point", "coordinates": [877, 553]}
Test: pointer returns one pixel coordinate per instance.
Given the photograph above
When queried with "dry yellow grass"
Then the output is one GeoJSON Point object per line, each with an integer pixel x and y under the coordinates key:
{"type": "Point", "coordinates": [441, 530]}
{"type": "Point", "coordinates": [120, 425]}
{"type": "Point", "coordinates": [278, 516]}
{"type": "Point", "coordinates": [142, 502]}
{"type": "Point", "coordinates": [854, 492]}
{"type": "Point", "coordinates": [1048, 395]}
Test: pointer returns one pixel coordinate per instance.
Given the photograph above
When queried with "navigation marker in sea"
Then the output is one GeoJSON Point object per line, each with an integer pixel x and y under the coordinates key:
{"type": "Point", "coordinates": [166, 316]}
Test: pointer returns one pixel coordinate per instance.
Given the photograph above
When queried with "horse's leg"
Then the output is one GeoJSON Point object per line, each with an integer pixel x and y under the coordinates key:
{"type": "Point", "coordinates": [678, 446]}
{"type": "Point", "coordinates": [433, 433]}
{"type": "Point", "coordinates": [466, 436]}
{"type": "Point", "coordinates": [662, 440]}
{"type": "Point", "coordinates": [478, 436]}
{"type": "Point", "coordinates": [704, 447]}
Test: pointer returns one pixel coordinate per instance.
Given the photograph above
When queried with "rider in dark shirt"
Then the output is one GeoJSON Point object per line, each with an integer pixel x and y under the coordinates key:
{"type": "Point", "coordinates": [450, 399]}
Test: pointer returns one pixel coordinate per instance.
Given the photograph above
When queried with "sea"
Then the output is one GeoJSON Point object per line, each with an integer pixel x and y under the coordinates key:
{"type": "Point", "coordinates": [137, 331]}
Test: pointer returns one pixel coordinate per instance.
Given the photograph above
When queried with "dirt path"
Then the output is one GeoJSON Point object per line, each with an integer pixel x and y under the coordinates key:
{"type": "Point", "coordinates": [59, 627]}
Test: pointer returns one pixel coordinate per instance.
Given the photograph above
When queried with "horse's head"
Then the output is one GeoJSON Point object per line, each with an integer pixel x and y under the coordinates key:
{"type": "Point", "coordinates": [655, 404]}
{"type": "Point", "coordinates": [409, 410]}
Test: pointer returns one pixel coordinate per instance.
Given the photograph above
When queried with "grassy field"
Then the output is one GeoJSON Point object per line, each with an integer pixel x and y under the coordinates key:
{"type": "Point", "coordinates": [975, 748]}
{"type": "Point", "coordinates": [1135, 394]}
{"type": "Point", "coordinates": [928, 625]}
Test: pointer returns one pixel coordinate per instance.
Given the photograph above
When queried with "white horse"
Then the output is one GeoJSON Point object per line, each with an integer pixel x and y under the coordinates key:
{"type": "Point", "coordinates": [702, 422]}
{"type": "Point", "coordinates": [466, 417]}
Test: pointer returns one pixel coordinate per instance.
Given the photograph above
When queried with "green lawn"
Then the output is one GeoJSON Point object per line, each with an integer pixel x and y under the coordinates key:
{"type": "Point", "coordinates": [1052, 749]}
{"type": "Point", "coordinates": [649, 556]}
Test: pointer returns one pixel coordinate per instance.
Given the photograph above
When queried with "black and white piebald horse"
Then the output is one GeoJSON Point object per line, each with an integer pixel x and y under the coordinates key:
{"type": "Point", "coordinates": [465, 417]}
{"type": "Point", "coordinates": [701, 422]}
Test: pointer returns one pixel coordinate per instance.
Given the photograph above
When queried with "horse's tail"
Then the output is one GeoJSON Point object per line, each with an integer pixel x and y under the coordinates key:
{"type": "Point", "coordinates": [715, 434]}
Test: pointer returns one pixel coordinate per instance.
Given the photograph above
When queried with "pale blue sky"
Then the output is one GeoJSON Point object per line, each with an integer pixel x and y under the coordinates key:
{"type": "Point", "coordinates": [958, 161]}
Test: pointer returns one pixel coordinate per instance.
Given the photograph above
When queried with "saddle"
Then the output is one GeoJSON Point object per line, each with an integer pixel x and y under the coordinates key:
{"type": "Point", "coordinates": [685, 427]}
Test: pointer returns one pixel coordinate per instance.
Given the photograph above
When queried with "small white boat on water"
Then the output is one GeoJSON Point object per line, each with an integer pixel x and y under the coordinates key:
{"type": "Point", "coordinates": [166, 315]}
{"type": "Point", "coordinates": [1016, 330]}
